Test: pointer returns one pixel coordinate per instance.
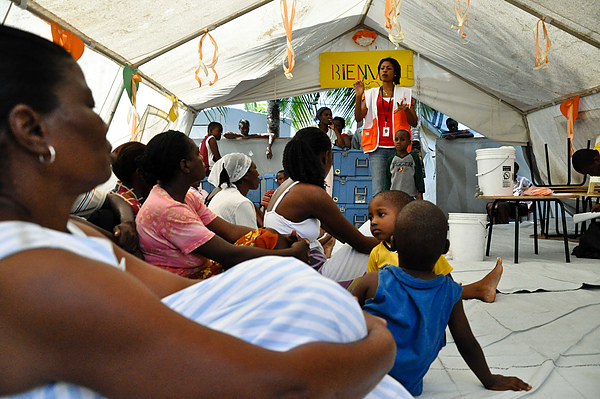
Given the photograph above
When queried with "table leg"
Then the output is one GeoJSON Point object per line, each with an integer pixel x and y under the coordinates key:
{"type": "Point", "coordinates": [489, 240]}
{"type": "Point", "coordinates": [535, 237]}
{"type": "Point", "coordinates": [556, 217]}
{"type": "Point", "coordinates": [517, 232]}
{"type": "Point", "coordinates": [564, 223]}
{"type": "Point", "coordinates": [577, 211]}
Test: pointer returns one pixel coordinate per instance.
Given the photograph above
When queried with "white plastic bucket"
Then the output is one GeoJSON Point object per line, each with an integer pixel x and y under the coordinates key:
{"type": "Point", "coordinates": [467, 235]}
{"type": "Point", "coordinates": [495, 170]}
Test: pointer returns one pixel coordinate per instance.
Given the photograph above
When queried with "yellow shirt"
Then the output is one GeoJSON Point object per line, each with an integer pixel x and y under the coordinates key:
{"type": "Point", "coordinates": [382, 255]}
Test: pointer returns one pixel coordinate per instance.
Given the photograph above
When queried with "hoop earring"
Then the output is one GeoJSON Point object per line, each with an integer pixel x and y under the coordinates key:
{"type": "Point", "coordinates": [42, 157]}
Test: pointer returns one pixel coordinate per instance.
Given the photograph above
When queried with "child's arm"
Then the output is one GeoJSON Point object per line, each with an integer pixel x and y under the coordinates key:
{"type": "Point", "coordinates": [366, 287]}
{"type": "Point", "coordinates": [471, 351]}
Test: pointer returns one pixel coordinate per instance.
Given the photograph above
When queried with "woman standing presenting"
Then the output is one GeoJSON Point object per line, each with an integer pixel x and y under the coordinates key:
{"type": "Point", "coordinates": [386, 109]}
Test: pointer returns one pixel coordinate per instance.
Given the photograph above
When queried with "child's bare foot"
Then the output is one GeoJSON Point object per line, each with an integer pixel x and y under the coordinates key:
{"type": "Point", "coordinates": [490, 282]}
{"type": "Point", "coordinates": [485, 289]}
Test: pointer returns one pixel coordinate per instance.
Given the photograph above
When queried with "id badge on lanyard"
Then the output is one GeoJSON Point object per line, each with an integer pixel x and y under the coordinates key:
{"type": "Point", "coordinates": [386, 132]}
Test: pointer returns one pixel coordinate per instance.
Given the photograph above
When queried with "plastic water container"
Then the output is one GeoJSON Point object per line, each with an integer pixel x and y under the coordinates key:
{"type": "Point", "coordinates": [467, 234]}
{"type": "Point", "coordinates": [495, 170]}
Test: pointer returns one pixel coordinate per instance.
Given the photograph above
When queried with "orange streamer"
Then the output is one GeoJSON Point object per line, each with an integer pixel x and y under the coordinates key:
{"type": "Point", "coordinates": [570, 109]}
{"type": "Point", "coordinates": [541, 57]}
{"type": "Point", "coordinates": [461, 19]}
{"type": "Point", "coordinates": [134, 79]}
{"type": "Point", "coordinates": [203, 66]}
{"type": "Point", "coordinates": [392, 10]}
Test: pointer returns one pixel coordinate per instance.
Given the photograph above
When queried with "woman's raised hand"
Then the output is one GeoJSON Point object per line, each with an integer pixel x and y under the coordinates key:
{"type": "Point", "coordinates": [359, 88]}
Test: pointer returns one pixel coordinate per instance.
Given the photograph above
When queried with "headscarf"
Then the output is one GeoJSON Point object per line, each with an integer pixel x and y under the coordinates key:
{"type": "Point", "coordinates": [236, 166]}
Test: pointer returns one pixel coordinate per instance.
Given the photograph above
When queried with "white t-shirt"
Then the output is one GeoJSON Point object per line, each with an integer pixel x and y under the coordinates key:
{"type": "Point", "coordinates": [229, 204]}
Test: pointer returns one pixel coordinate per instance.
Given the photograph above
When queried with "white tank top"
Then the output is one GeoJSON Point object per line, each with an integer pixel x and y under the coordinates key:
{"type": "Point", "coordinates": [308, 229]}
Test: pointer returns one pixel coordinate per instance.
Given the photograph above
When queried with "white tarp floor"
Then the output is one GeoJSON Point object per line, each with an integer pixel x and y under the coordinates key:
{"type": "Point", "coordinates": [543, 326]}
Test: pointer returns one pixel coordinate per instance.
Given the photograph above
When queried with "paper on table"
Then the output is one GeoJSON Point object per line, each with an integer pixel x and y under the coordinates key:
{"type": "Point", "coordinates": [582, 217]}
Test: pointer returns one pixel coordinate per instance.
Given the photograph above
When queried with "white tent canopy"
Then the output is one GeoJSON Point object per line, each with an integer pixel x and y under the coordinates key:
{"type": "Point", "coordinates": [486, 81]}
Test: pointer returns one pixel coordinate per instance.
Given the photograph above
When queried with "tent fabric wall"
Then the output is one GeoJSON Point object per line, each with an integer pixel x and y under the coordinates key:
{"type": "Point", "coordinates": [486, 81]}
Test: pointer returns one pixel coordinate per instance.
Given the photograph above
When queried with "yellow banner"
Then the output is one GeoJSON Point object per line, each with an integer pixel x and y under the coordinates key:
{"type": "Point", "coordinates": [344, 68]}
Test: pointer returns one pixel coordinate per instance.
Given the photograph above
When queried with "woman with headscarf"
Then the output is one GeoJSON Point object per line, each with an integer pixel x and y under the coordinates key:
{"type": "Point", "coordinates": [235, 174]}
{"type": "Point", "coordinates": [177, 232]}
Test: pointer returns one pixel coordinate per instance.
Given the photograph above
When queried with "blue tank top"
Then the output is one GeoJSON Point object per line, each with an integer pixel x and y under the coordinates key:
{"type": "Point", "coordinates": [417, 313]}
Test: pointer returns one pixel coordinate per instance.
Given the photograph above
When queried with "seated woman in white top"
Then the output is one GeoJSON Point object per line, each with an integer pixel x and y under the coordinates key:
{"type": "Point", "coordinates": [301, 202]}
{"type": "Point", "coordinates": [235, 174]}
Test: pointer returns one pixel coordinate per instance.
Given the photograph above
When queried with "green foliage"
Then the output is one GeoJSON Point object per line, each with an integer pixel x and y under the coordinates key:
{"type": "Point", "coordinates": [211, 113]}
{"type": "Point", "coordinates": [260, 107]}
{"type": "Point", "coordinates": [302, 109]}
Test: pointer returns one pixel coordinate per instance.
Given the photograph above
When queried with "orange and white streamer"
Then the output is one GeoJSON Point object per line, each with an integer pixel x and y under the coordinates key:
{"type": "Point", "coordinates": [461, 19]}
{"type": "Point", "coordinates": [541, 57]}
{"type": "Point", "coordinates": [204, 66]}
{"type": "Point", "coordinates": [134, 79]}
{"type": "Point", "coordinates": [288, 22]}
{"type": "Point", "coordinates": [570, 109]}
{"type": "Point", "coordinates": [392, 10]}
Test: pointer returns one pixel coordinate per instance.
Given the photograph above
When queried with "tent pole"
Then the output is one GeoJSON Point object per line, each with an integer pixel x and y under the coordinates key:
{"type": "Point", "coordinates": [365, 11]}
{"type": "Point", "coordinates": [115, 102]}
{"type": "Point", "coordinates": [554, 23]}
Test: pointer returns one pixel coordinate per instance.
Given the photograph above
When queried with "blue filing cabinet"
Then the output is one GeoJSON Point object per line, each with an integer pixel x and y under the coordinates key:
{"type": "Point", "coordinates": [350, 163]}
{"type": "Point", "coordinates": [352, 186]}
{"type": "Point", "coordinates": [269, 182]}
{"type": "Point", "coordinates": [352, 189]}
{"type": "Point", "coordinates": [356, 214]}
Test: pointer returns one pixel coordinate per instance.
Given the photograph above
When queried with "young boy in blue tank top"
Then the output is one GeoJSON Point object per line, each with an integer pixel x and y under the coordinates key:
{"type": "Point", "coordinates": [418, 304]}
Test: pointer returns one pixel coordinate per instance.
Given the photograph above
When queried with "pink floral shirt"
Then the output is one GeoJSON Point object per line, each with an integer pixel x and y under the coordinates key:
{"type": "Point", "coordinates": [169, 231]}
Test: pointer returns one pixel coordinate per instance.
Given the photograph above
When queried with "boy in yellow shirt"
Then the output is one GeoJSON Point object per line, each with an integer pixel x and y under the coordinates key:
{"type": "Point", "coordinates": [383, 211]}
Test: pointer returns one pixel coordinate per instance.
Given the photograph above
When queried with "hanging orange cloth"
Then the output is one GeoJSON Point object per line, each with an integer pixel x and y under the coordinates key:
{"type": "Point", "coordinates": [135, 80]}
{"type": "Point", "coordinates": [541, 57]}
{"type": "Point", "coordinates": [203, 66]}
{"type": "Point", "coordinates": [570, 109]}
{"type": "Point", "coordinates": [67, 40]}
{"type": "Point", "coordinates": [392, 10]}
{"type": "Point", "coordinates": [288, 22]}
{"type": "Point", "coordinates": [462, 19]}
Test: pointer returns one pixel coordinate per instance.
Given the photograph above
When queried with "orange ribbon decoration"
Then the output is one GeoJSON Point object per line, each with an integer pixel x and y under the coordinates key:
{"type": "Point", "coordinates": [570, 109]}
{"type": "Point", "coordinates": [211, 64]}
{"type": "Point", "coordinates": [288, 22]}
{"type": "Point", "coordinates": [392, 10]}
{"type": "Point", "coordinates": [461, 19]}
{"type": "Point", "coordinates": [134, 79]}
{"type": "Point", "coordinates": [67, 40]}
{"type": "Point", "coordinates": [541, 57]}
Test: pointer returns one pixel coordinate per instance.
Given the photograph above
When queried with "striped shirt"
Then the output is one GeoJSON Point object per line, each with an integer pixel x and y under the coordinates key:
{"type": "Point", "coordinates": [274, 302]}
